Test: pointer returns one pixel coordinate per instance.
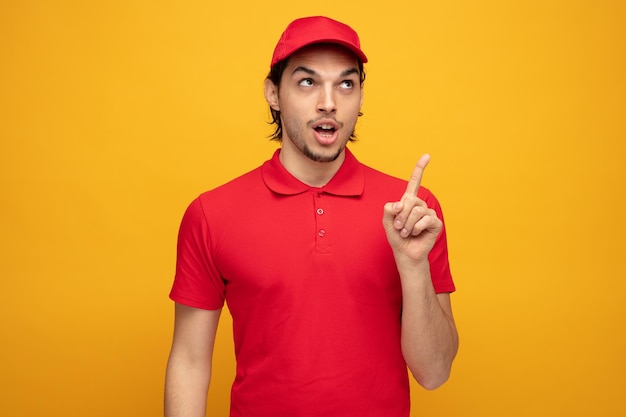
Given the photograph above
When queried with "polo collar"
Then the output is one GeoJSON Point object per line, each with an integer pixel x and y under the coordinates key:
{"type": "Point", "coordinates": [348, 181]}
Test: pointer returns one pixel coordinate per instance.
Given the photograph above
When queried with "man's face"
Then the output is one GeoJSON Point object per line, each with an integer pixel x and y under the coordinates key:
{"type": "Point", "coordinates": [319, 99]}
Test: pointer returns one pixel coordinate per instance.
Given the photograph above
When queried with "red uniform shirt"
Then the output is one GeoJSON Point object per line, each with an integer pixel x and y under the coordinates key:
{"type": "Point", "coordinates": [312, 286]}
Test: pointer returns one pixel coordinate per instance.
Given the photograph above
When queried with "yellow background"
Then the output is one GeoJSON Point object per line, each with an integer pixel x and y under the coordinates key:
{"type": "Point", "coordinates": [115, 114]}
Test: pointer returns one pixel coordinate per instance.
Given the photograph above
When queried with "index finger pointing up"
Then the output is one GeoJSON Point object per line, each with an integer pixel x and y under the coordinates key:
{"type": "Point", "coordinates": [416, 176]}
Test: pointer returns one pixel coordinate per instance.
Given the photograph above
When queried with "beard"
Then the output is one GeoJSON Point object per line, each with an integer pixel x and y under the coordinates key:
{"type": "Point", "coordinates": [318, 157]}
{"type": "Point", "coordinates": [296, 136]}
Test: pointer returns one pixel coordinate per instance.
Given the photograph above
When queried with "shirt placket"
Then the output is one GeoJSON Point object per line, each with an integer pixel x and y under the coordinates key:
{"type": "Point", "coordinates": [323, 235]}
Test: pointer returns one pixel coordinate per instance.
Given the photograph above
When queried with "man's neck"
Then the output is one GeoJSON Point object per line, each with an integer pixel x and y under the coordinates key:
{"type": "Point", "coordinates": [311, 173]}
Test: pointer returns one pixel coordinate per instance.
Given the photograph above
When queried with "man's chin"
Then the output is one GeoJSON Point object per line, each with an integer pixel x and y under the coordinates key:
{"type": "Point", "coordinates": [328, 156]}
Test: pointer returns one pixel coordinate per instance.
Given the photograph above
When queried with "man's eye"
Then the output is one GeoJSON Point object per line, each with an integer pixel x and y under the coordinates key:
{"type": "Point", "coordinates": [307, 82]}
{"type": "Point", "coordinates": [347, 84]}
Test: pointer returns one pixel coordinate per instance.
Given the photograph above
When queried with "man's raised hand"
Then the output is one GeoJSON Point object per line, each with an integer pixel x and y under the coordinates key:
{"type": "Point", "coordinates": [410, 225]}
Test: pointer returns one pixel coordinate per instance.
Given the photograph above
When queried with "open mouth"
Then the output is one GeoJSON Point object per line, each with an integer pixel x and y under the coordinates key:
{"type": "Point", "coordinates": [325, 129]}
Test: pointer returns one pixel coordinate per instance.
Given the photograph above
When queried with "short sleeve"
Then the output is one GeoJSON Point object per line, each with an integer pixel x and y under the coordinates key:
{"type": "Point", "coordinates": [197, 282]}
{"type": "Point", "coordinates": [438, 256]}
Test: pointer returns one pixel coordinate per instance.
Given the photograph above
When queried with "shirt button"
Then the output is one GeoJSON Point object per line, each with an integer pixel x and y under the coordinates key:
{"type": "Point", "coordinates": [322, 233]}
{"type": "Point", "coordinates": [320, 211]}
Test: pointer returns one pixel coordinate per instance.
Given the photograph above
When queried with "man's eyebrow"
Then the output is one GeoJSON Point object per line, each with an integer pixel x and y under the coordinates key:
{"type": "Point", "coordinates": [304, 69]}
{"type": "Point", "coordinates": [350, 72]}
{"type": "Point", "coordinates": [311, 72]}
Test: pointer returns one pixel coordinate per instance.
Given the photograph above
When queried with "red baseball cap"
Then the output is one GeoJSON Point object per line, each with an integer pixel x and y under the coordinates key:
{"type": "Point", "coordinates": [316, 29]}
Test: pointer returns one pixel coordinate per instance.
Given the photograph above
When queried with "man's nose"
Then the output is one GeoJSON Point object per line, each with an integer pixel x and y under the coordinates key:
{"type": "Point", "coordinates": [326, 102]}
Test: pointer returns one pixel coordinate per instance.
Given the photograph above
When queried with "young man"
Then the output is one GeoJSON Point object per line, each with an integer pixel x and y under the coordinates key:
{"type": "Point", "coordinates": [329, 306]}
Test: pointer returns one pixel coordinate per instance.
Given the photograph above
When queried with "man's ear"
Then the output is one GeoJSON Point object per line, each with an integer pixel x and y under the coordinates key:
{"type": "Point", "coordinates": [271, 94]}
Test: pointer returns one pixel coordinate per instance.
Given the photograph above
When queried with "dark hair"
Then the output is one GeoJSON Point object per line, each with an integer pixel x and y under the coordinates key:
{"type": "Point", "coordinates": [275, 75]}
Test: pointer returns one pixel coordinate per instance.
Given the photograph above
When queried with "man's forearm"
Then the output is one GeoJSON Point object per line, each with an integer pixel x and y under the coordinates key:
{"type": "Point", "coordinates": [429, 336]}
{"type": "Point", "coordinates": [186, 389]}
